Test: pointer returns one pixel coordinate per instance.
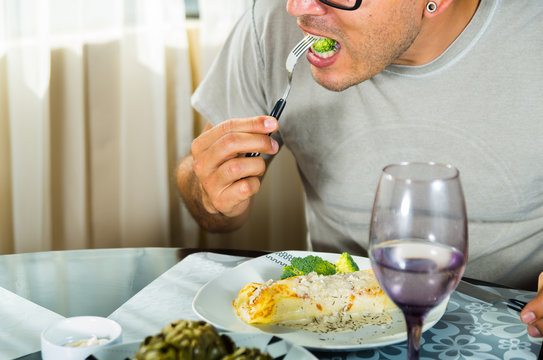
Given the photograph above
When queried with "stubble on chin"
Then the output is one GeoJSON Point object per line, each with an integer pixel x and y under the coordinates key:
{"type": "Point", "coordinates": [376, 49]}
{"type": "Point", "coordinates": [334, 84]}
{"type": "Point", "coordinates": [343, 77]}
{"type": "Point", "coordinates": [365, 64]}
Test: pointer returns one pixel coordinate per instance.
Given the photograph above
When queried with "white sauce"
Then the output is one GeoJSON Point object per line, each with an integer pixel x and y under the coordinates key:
{"type": "Point", "coordinates": [334, 286]}
{"type": "Point", "coordinates": [328, 291]}
{"type": "Point", "coordinates": [93, 341]}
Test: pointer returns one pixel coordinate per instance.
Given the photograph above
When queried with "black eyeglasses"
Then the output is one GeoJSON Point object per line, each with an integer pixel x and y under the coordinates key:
{"type": "Point", "coordinates": [343, 4]}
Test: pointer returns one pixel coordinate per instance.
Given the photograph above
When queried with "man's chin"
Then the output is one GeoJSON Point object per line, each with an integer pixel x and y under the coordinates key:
{"type": "Point", "coordinates": [336, 84]}
{"type": "Point", "coordinates": [339, 81]}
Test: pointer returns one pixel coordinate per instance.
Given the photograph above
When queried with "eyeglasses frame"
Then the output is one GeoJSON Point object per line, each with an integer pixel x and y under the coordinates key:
{"type": "Point", "coordinates": [354, 7]}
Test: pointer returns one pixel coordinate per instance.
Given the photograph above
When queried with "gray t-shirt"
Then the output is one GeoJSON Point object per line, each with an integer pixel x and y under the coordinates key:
{"type": "Point", "coordinates": [479, 107]}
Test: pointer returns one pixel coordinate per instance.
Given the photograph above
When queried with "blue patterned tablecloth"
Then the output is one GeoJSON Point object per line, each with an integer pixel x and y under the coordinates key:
{"type": "Point", "coordinates": [469, 329]}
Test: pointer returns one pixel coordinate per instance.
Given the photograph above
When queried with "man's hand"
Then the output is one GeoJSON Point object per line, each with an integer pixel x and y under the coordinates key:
{"type": "Point", "coordinates": [227, 178]}
{"type": "Point", "coordinates": [532, 314]}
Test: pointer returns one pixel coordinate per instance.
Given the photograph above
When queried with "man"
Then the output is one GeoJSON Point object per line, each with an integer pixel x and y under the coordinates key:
{"type": "Point", "coordinates": [450, 81]}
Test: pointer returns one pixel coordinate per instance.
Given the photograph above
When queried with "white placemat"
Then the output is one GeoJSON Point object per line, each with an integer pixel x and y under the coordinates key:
{"type": "Point", "coordinates": [169, 297]}
{"type": "Point", "coordinates": [21, 323]}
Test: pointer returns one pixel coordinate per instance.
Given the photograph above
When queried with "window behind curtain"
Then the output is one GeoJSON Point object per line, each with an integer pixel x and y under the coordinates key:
{"type": "Point", "coordinates": [191, 8]}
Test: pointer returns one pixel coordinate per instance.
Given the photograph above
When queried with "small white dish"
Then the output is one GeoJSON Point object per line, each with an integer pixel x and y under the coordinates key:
{"type": "Point", "coordinates": [75, 329]}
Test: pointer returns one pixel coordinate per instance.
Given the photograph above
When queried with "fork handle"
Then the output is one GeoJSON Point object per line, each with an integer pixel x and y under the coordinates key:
{"type": "Point", "coordinates": [276, 113]}
{"type": "Point", "coordinates": [278, 108]}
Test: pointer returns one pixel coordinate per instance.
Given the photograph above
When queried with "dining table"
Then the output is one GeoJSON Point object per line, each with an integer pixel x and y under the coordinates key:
{"type": "Point", "coordinates": [144, 289]}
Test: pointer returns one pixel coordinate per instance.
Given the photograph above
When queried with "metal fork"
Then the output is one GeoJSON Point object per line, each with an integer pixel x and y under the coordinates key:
{"type": "Point", "coordinates": [479, 293]}
{"type": "Point", "coordinates": [292, 59]}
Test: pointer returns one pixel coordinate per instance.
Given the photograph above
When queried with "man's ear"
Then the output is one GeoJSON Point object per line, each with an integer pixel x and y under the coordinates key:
{"type": "Point", "coordinates": [438, 5]}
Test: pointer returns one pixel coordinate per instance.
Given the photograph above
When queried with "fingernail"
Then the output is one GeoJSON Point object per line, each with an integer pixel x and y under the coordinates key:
{"type": "Point", "coordinates": [275, 145]}
{"type": "Point", "coordinates": [528, 317]}
{"type": "Point", "coordinates": [533, 331]}
{"type": "Point", "coordinates": [269, 123]}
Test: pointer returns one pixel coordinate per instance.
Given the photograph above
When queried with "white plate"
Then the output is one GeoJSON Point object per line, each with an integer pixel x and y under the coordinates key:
{"type": "Point", "coordinates": [276, 347]}
{"type": "Point", "coordinates": [213, 303]}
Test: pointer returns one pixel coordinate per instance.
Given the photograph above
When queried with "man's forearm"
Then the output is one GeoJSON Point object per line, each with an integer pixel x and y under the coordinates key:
{"type": "Point", "coordinates": [191, 192]}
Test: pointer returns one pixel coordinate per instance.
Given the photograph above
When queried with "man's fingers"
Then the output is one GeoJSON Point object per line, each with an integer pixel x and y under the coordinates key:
{"type": "Point", "coordinates": [257, 124]}
{"type": "Point", "coordinates": [233, 182]}
{"type": "Point", "coordinates": [240, 168]}
{"type": "Point", "coordinates": [252, 125]}
{"type": "Point", "coordinates": [227, 179]}
{"type": "Point", "coordinates": [534, 329]}
{"type": "Point", "coordinates": [532, 314]}
{"type": "Point", "coordinates": [231, 147]}
{"type": "Point", "coordinates": [235, 198]}
{"type": "Point", "coordinates": [234, 144]}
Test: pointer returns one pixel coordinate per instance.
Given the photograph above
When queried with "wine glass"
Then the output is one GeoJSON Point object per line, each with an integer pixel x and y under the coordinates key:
{"type": "Point", "coordinates": [418, 239]}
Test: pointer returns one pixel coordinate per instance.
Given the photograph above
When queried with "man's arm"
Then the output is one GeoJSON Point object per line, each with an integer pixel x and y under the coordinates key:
{"type": "Point", "coordinates": [217, 182]}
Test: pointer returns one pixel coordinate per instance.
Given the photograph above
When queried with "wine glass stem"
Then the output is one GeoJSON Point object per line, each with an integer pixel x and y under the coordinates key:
{"type": "Point", "coordinates": [414, 332]}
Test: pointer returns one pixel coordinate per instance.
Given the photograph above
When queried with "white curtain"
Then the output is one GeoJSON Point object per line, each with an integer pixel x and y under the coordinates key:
{"type": "Point", "coordinates": [217, 18]}
{"type": "Point", "coordinates": [94, 114]}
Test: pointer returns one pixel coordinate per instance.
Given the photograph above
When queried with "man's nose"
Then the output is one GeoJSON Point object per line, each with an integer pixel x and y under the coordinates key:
{"type": "Point", "coordinates": [305, 7]}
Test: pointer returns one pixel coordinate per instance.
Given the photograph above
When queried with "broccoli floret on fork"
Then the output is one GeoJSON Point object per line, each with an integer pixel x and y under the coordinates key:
{"type": "Point", "coordinates": [324, 44]}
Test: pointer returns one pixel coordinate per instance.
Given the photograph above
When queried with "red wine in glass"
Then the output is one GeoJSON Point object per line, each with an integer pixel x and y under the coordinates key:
{"type": "Point", "coordinates": [416, 274]}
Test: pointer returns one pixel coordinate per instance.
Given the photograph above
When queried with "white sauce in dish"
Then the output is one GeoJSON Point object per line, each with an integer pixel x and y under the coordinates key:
{"type": "Point", "coordinates": [92, 341]}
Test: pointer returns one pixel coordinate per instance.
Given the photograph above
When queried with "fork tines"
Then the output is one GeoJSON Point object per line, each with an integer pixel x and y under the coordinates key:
{"type": "Point", "coordinates": [304, 44]}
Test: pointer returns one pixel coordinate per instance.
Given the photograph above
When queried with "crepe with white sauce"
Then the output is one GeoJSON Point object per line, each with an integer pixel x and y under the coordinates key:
{"type": "Point", "coordinates": [320, 303]}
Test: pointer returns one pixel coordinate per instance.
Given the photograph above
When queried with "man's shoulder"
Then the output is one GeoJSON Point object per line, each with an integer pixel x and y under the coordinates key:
{"type": "Point", "coordinates": [272, 12]}
{"type": "Point", "coordinates": [521, 6]}
{"type": "Point", "coordinates": [521, 13]}
{"type": "Point", "coordinates": [267, 6]}
{"type": "Point", "coordinates": [275, 29]}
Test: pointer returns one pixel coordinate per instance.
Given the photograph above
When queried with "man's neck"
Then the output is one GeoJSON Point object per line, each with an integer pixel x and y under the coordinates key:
{"type": "Point", "coordinates": [439, 32]}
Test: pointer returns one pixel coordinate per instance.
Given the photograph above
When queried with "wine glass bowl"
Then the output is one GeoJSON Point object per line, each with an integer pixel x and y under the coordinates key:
{"type": "Point", "coordinates": [418, 239]}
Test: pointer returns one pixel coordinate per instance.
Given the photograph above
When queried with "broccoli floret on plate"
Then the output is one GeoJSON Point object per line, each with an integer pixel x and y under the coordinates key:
{"type": "Point", "coordinates": [290, 271]}
{"type": "Point", "coordinates": [324, 44]}
{"type": "Point", "coordinates": [346, 264]}
{"type": "Point", "coordinates": [312, 263]}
